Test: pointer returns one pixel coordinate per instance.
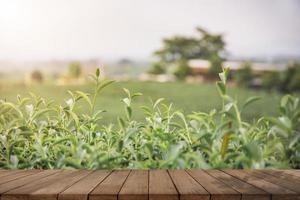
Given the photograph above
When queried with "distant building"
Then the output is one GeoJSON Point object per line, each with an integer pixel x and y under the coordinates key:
{"type": "Point", "coordinates": [201, 67]}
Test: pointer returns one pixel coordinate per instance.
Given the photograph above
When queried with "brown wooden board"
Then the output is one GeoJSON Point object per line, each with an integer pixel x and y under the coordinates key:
{"type": "Point", "coordinates": [25, 180]}
{"type": "Point", "coordinates": [27, 191]}
{"type": "Point", "coordinates": [289, 183]}
{"type": "Point", "coordinates": [277, 191]}
{"type": "Point", "coordinates": [248, 191]}
{"type": "Point", "coordinates": [81, 189]}
{"type": "Point", "coordinates": [4, 173]}
{"type": "Point", "coordinates": [17, 174]}
{"type": "Point", "coordinates": [149, 184]}
{"type": "Point", "coordinates": [187, 187]}
{"type": "Point", "coordinates": [293, 174]}
{"type": "Point", "coordinates": [135, 186]}
{"type": "Point", "coordinates": [110, 187]}
{"type": "Point", "coordinates": [217, 189]}
{"type": "Point", "coordinates": [161, 186]}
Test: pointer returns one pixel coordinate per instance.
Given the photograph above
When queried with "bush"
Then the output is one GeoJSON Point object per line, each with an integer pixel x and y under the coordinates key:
{"type": "Point", "coordinates": [35, 133]}
{"type": "Point", "coordinates": [271, 81]}
{"type": "Point", "coordinates": [182, 70]}
{"type": "Point", "coordinates": [157, 68]}
{"type": "Point", "coordinates": [244, 76]}
{"type": "Point", "coordinates": [215, 65]}
{"type": "Point", "coordinates": [293, 77]}
{"type": "Point", "coordinates": [75, 70]}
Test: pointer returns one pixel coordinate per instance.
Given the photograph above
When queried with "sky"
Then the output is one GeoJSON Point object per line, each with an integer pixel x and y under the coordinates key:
{"type": "Point", "coordinates": [114, 29]}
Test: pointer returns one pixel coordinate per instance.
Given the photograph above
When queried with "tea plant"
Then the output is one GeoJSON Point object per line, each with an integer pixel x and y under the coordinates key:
{"type": "Point", "coordinates": [37, 133]}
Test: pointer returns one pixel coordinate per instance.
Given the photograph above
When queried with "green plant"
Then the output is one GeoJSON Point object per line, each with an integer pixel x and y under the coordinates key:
{"type": "Point", "coordinates": [36, 133]}
{"type": "Point", "coordinates": [75, 69]}
{"type": "Point", "coordinates": [244, 76]}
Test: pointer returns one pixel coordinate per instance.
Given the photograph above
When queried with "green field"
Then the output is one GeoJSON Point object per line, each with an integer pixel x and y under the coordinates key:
{"type": "Point", "coordinates": [185, 97]}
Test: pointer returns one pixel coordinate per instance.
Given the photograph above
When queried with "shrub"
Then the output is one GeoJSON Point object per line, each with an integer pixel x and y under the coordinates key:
{"type": "Point", "coordinates": [215, 65]}
{"type": "Point", "coordinates": [75, 69]}
{"type": "Point", "coordinates": [271, 80]}
{"type": "Point", "coordinates": [182, 70]}
{"type": "Point", "coordinates": [244, 76]}
{"type": "Point", "coordinates": [35, 133]}
{"type": "Point", "coordinates": [157, 68]}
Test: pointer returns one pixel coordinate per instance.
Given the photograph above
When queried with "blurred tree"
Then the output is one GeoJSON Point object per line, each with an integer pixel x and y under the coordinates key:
{"type": "Point", "coordinates": [204, 46]}
{"type": "Point", "coordinates": [75, 69]}
{"type": "Point", "coordinates": [271, 80]}
{"type": "Point", "coordinates": [291, 78]}
{"type": "Point", "coordinates": [157, 68]}
{"type": "Point", "coordinates": [182, 69]}
{"type": "Point", "coordinates": [244, 75]}
{"type": "Point", "coordinates": [36, 76]}
{"type": "Point", "coordinates": [215, 65]}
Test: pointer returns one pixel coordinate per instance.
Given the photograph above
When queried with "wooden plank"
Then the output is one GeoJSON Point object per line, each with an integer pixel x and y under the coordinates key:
{"type": "Point", "coordinates": [52, 191]}
{"type": "Point", "coordinates": [8, 172]}
{"type": "Point", "coordinates": [135, 186]}
{"type": "Point", "coordinates": [110, 187]}
{"type": "Point", "coordinates": [161, 186]}
{"type": "Point", "coordinates": [248, 191]}
{"type": "Point", "coordinates": [24, 180]}
{"type": "Point", "coordinates": [293, 174]}
{"type": "Point", "coordinates": [277, 191]}
{"type": "Point", "coordinates": [187, 187]}
{"type": "Point", "coordinates": [217, 189]}
{"type": "Point", "coordinates": [81, 189]}
{"type": "Point", "coordinates": [291, 184]}
{"type": "Point", "coordinates": [17, 174]}
{"type": "Point", "coordinates": [27, 191]}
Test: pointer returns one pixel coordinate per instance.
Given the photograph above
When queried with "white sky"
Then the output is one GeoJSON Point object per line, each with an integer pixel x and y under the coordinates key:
{"type": "Point", "coordinates": [79, 29]}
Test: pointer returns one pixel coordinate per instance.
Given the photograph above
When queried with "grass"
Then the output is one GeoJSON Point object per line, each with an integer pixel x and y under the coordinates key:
{"type": "Point", "coordinates": [185, 97]}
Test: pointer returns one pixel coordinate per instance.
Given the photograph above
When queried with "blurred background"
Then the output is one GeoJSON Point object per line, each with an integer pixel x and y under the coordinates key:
{"type": "Point", "coordinates": [172, 49]}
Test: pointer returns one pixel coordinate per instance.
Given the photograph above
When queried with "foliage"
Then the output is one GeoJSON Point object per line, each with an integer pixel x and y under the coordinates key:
{"type": "Point", "coordinates": [75, 69]}
{"type": "Point", "coordinates": [181, 48]}
{"type": "Point", "coordinates": [158, 68]}
{"type": "Point", "coordinates": [182, 70]}
{"type": "Point", "coordinates": [215, 65]}
{"type": "Point", "coordinates": [271, 80]}
{"type": "Point", "coordinates": [291, 78]}
{"type": "Point", "coordinates": [35, 133]}
{"type": "Point", "coordinates": [244, 75]}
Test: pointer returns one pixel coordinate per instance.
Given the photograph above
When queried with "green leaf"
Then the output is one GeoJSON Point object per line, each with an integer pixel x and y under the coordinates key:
{"type": "Point", "coordinates": [250, 100]}
{"type": "Point", "coordinates": [221, 87]}
{"type": "Point", "coordinates": [104, 85]}
{"type": "Point", "coordinates": [158, 101]}
{"type": "Point", "coordinates": [86, 97]}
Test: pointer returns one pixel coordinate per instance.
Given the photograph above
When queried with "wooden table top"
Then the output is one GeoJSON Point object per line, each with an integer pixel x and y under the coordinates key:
{"type": "Point", "coordinates": [149, 184]}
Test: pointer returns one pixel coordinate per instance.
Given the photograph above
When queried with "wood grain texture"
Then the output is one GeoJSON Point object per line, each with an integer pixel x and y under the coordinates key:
{"type": "Point", "coordinates": [161, 186]}
{"type": "Point", "coordinates": [17, 174]}
{"type": "Point", "coordinates": [248, 191]}
{"type": "Point", "coordinates": [25, 180]}
{"type": "Point", "coordinates": [277, 191]}
{"type": "Point", "coordinates": [149, 184]}
{"type": "Point", "coordinates": [292, 174]}
{"type": "Point", "coordinates": [110, 187]}
{"type": "Point", "coordinates": [290, 183]}
{"type": "Point", "coordinates": [27, 191]}
{"type": "Point", "coordinates": [217, 189]}
{"type": "Point", "coordinates": [135, 186]}
{"type": "Point", "coordinates": [81, 189]}
{"type": "Point", "coordinates": [187, 187]}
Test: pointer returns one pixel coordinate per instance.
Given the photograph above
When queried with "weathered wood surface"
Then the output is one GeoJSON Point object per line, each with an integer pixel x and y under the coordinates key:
{"type": "Point", "coordinates": [149, 184]}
